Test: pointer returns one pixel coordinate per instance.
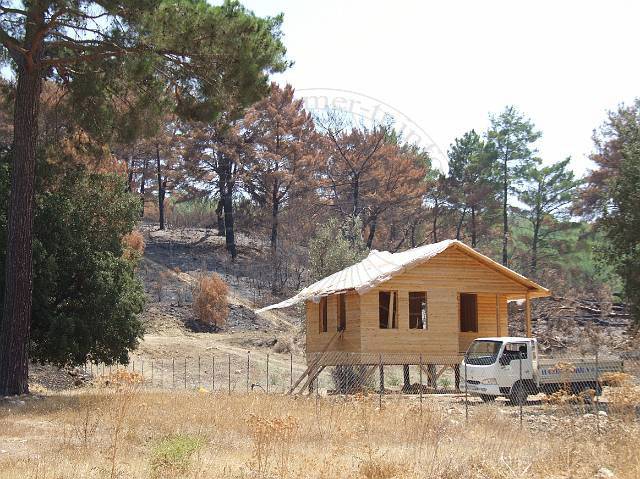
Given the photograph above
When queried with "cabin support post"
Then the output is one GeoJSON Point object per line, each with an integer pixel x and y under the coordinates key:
{"type": "Point", "coordinates": [456, 375]}
{"type": "Point", "coordinates": [431, 376]}
{"type": "Point", "coordinates": [527, 315]}
{"type": "Point", "coordinates": [406, 377]}
{"type": "Point", "coordinates": [381, 366]}
{"type": "Point", "coordinates": [497, 315]}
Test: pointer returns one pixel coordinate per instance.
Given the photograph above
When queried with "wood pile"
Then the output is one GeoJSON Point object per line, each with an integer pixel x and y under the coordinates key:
{"type": "Point", "coordinates": [584, 312]}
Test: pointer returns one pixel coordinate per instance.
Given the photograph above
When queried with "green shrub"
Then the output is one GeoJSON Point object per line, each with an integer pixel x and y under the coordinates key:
{"type": "Point", "coordinates": [172, 455]}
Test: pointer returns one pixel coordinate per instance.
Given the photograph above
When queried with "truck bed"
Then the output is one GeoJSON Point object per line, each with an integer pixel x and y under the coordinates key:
{"type": "Point", "coordinates": [575, 370]}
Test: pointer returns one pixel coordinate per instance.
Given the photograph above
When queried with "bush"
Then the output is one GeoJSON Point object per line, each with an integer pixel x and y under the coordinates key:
{"type": "Point", "coordinates": [86, 294]}
{"type": "Point", "coordinates": [210, 303]}
{"type": "Point", "coordinates": [172, 455]}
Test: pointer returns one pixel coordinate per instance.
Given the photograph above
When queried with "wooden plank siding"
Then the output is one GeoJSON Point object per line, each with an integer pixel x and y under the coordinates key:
{"type": "Point", "coordinates": [350, 340]}
{"type": "Point", "coordinates": [488, 325]}
{"type": "Point", "coordinates": [443, 278]}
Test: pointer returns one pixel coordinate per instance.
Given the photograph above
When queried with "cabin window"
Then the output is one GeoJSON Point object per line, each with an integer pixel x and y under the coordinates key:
{"type": "Point", "coordinates": [388, 309]}
{"type": "Point", "coordinates": [342, 312]}
{"type": "Point", "coordinates": [468, 312]}
{"type": "Point", "coordinates": [323, 314]}
{"type": "Point", "coordinates": [418, 310]}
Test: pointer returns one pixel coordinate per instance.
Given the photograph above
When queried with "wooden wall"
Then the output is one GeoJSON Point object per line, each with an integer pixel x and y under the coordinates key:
{"type": "Point", "coordinates": [487, 324]}
{"type": "Point", "coordinates": [441, 337]}
{"type": "Point", "coordinates": [443, 278]}
{"type": "Point", "coordinates": [350, 339]}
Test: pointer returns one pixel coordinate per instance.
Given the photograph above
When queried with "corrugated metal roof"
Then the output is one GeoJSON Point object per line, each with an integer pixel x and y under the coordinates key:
{"type": "Point", "coordinates": [380, 266]}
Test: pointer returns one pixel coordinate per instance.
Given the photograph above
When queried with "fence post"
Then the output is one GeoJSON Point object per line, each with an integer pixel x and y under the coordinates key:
{"type": "Point", "coordinates": [198, 372]}
{"type": "Point", "coordinates": [213, 373]}
{"type": "Point", "coordinates": [381, 381]}
{"type": "Point", "coordinates": [229, 373]}
{"type": "Point", "coordinates": [142, 371]}
{"type": "Point", "coordinates": [173, 373]}
{"type": "Point", "coordinates": [420, 385]}
{"type": "Point", "coordinates": [466, 395]}
{"type": "Point", "coordinates": [290, 369]}
{"type": "Point", "coordinates": [267, 373]}
{"type": "Point", "coordinates": [522, 386]}
{"type": "Point", "coordinates": [185, 372]}
{"type": "Point", "coordinates": [152, 373]}
{"type": "Point", "coordinates": [248, 365]}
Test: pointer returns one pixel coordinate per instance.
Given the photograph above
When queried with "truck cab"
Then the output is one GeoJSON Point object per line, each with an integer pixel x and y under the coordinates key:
{"type": "Point", "coordinates": [501, 366]}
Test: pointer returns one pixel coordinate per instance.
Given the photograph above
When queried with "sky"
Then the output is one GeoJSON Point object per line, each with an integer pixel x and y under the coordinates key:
{"type": "Point", "coordinates": [443, 66]}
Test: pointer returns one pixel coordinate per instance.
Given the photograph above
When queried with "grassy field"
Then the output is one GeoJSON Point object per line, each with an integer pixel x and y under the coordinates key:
{"type": "Point", "coordinates": [128, 433]}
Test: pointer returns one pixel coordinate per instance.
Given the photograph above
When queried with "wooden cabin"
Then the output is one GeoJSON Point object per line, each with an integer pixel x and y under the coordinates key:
{"type": "Point", "coordinates": [424, 305]}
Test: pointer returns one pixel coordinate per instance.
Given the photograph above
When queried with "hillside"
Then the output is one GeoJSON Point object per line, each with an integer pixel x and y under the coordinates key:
{"type": "Point", "coordinates": [175, 258]}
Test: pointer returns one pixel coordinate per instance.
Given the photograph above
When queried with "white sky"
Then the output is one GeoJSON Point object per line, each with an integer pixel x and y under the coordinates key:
{"type": "Point", "coordinates": [447, 64]}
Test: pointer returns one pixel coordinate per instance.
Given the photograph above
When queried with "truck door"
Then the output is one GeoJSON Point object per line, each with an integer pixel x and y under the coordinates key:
{"type": "Point", "coordinates": [509, 363]}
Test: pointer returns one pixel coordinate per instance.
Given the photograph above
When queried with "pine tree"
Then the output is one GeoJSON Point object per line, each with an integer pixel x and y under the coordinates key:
{"type": "Point", "coordinates": [613, 195]}
{"type": "Point", "coordinates": [95, 48]}
{"type": "Point", "coordinates": [281, 153]}
{"type": "Point", "coordinates": [512, 136]}
{"type": "Point", "coordinates": [547, 194]}
{"type": "Point", "coordinates": [471, 182]}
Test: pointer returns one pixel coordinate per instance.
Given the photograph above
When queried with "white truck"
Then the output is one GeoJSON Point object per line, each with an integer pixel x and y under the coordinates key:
{"type": "Point", "coordinates": [511, 367]}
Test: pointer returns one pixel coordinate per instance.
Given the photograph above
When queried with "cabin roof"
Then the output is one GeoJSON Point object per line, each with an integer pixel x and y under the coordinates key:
{"type": "Point", "coordinates": [381, 266]}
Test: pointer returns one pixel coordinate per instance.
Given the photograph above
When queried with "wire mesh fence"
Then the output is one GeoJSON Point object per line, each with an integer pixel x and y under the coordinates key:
{"type": "Point", "coordinates": [503, 375]}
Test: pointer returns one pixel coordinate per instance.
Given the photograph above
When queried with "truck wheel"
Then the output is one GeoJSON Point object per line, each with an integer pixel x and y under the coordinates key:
{"type": "Point", "coordinates": [487, 398]}
{"type": "Point", "coordinates": [518, 394]}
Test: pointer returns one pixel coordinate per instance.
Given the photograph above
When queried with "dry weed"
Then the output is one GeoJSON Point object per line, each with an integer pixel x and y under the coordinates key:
{"type": "Point", "coordinates": [616, 379]}
{"type": "Point", "coordinates": [210, 303]}
{"type": "Point", "coordinates": [271, 437]}
{"type": "Point", "coordinates": [133, 245]}
{"type": "Point", "coordinates": [122, 431]}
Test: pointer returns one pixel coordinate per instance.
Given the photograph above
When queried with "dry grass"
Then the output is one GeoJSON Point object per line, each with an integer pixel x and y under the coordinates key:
{"type": "Point", "coordinates": [126, 433]}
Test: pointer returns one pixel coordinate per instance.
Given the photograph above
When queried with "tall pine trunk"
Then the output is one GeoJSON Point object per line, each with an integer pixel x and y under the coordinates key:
{"type": "Point", "coordinates": [229, 234]}
{"type": "Point", "coordinates": [436, 212]}
{"type": "Point", "coordinates": [220, 206]}
{"type": "Point", "coordinates": [534, 248]}
{"type": "Point", "coordinates": [161, 189]}
{"type": "Point", "coordinates": [16, 313]}
{"type": "Point", "coordinates": [505, 222]}
{"type": "Point", "coordinates": [474, 230]}
{"type": "Point", "coordinates": [132, 165]}
{"type": "Point", "coordinates": [372, 231]}
{"type": "Point", "coordinates": [226, 176]}
{"type": "Point", "coordinates": [460, 223]}
{"type": "Point", "coordinates": [220, 215]}
{"type": "Point", "coordinates": [143, 184]}
{"type": "Point", "coordinates": [275, 208]}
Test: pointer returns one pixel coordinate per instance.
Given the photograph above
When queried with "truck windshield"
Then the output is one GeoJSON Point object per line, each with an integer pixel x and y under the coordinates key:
{"type": "Point", "coordinates": [483, 352]}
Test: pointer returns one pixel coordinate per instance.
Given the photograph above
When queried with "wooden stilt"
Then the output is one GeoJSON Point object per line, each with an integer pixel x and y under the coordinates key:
{"type": "Point", "coordinates": [497, 316]}
{"type": "Point", "coordinates": [527, 316]}
{"type": "Point", "coordinates": [314, 364]}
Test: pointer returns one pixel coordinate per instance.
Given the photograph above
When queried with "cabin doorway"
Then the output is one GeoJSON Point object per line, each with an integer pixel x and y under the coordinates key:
{"type": "Point", "coordinates": [468, 310]}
